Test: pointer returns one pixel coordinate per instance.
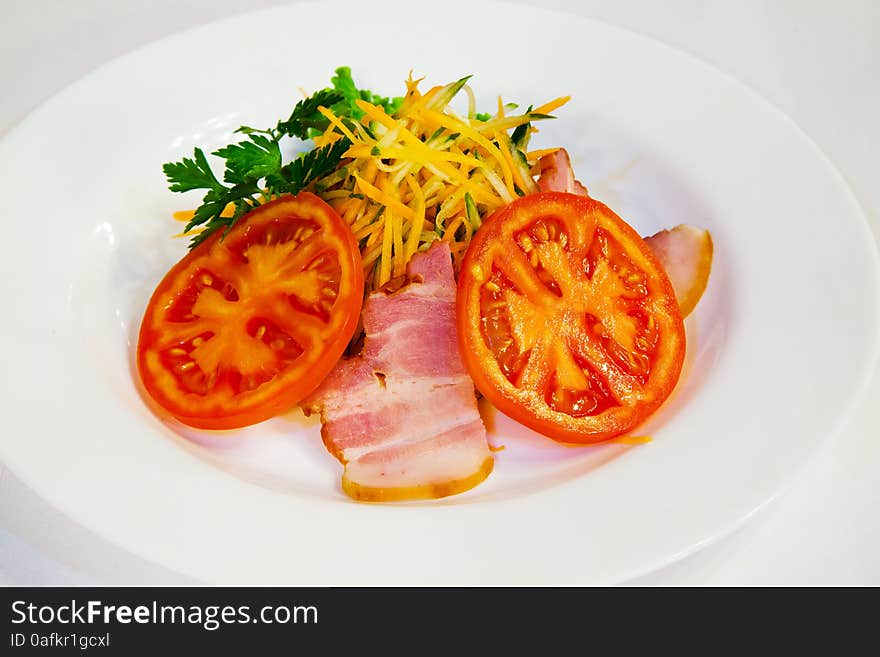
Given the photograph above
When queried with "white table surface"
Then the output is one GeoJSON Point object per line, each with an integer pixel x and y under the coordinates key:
{"type": "Point", "coordinates": [819, 61]}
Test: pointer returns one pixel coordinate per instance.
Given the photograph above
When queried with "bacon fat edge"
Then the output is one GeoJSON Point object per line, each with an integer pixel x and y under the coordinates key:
{"type": "Point", "coordinates": [402, 416]}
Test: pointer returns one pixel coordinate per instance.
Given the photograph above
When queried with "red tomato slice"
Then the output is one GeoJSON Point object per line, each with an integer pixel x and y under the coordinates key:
{"type": "Point", "coordinates": [246, 326]}
{"type": "Point", "coordinates": [566, 320]}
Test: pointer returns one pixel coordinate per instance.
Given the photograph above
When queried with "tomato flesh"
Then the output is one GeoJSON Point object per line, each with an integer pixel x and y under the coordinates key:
{"type": "Point", "coordinates": [566, 320]}
{"type": "Point", "coordinates": [247, 325]}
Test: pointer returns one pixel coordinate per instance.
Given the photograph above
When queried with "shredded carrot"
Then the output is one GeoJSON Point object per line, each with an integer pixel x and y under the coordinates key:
{"type": "Point", "coordinates": [382, 198]}
{"type": "Point", "coordinates": [533, 156]}
{"type": "Point", "coordinates": [546, 108]}
{"type": "Point", "coordinates": [336, 123]}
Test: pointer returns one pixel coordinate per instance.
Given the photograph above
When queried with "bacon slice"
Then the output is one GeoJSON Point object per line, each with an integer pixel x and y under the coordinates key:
{"type": "Point", "coordinates": [684, 251]}
{"type": "Point", "coordinates": [557, 175]}
{"type": "Point", "coordinates": [686, 254]}
{"type": "Point", "coordinates": [402, 416]}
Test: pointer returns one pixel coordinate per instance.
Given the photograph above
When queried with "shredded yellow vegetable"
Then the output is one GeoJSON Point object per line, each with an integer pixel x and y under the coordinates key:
{"type": "Point", "coordinates": [408, 174]}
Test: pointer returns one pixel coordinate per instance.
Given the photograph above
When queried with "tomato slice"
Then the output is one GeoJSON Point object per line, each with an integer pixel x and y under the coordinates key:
{"type": "Point", "coordinates": [566, 320]}
{"type": "Point", "coordinates": [247, 325]}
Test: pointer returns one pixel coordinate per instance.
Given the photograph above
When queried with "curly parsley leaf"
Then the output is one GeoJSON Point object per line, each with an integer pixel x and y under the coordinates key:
{"type": "Point", "coordinates": [189, 174]}
{"type": "Point", "coordinates": [306, 117]}
{"type": "Point", "coordinates": [250, 160]}
{"type": "Point", "coordinates": [310, 166]}
{"type": "Point", "coordinates": [209, 214]}
{"type": "Point", "coordinates": [215, 202]}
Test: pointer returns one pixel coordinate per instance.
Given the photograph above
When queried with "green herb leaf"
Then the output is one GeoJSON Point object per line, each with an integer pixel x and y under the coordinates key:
{"type": "Point", "coordinates": [250, 160]}
{"type": "Point", "coordinates": [248, 130]}
{"type": "Point", "coordinates": [305, 118]}
{"type": "Point", "coordinates": [344, 84]}
{"type": "Point", "coordinates": [189, 174]}
{"type": "Point", "coordinates": [292, 178]}
{"type": "Point", "coordinates": [215, 201]}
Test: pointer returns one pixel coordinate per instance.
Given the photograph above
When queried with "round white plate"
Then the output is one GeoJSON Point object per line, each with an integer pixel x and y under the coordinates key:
{"type": "Point", "coordinates": [779, 348]}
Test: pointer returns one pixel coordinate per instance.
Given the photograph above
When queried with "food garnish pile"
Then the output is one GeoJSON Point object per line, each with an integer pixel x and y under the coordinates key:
{"type": "Point", "coordinates": [410, 256]}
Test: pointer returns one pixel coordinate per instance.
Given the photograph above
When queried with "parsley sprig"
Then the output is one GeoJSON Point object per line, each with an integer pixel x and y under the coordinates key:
{"type": "Point", "coordinates": [254, 168]}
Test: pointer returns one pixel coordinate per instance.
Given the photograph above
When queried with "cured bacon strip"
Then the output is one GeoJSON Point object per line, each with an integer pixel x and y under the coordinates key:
{"type": "Point", "coordinates": [402, 416]}
{"type": "Point", "coordinates": [557, 174]}
{"type": "Point", "coordinates": [686, 253]}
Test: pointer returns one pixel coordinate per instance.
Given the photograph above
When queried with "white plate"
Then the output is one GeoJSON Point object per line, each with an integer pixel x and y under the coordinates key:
{"type": "Point", "coordinates": [779, 348]}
